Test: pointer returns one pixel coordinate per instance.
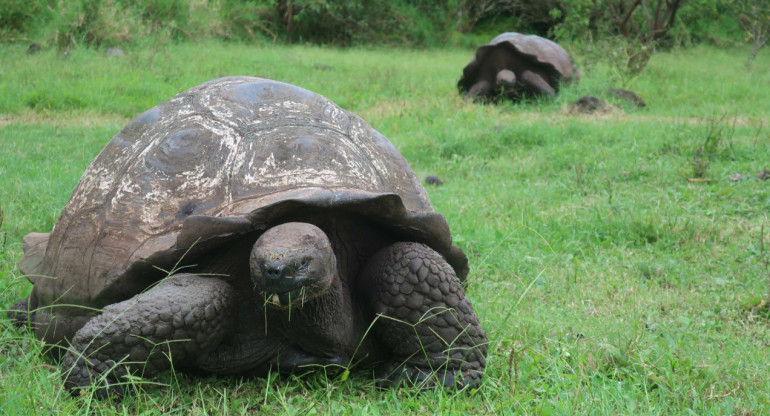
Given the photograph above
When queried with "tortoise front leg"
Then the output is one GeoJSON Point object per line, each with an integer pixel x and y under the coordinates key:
{"type": "Point", "coordinates": [174, 321]}
{"type": "Point", "coordinates": [424, 318]}
{"type": "Point", "coordinates": [534, 83]}
{"type": "Point", "coordinates": [479, 90]}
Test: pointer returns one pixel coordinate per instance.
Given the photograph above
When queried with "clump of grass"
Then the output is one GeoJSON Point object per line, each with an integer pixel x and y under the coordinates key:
{"type": "Point", "coordinates": [2, 234]}
{"type": "Point", "coordinates": [716, 143]}
{"type": "Point", "coordinates": [760, 307]}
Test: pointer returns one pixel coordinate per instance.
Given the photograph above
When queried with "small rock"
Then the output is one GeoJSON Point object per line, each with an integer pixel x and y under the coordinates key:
{"type": "Point", "coordinates": [63, 54]}
{"type": "Point", "coordinates": [736, 177]}
{"type": "Point", "coordinates": [34, 48]}
{"type": "Point", "coordinates": [114, 52]}
{"type": "Point", "coordinates": [323, 67]}
{"type": "Point", "coordinates": [629, 96]}
{"type": "Point", "coordinates": [433, 180]}
{"type": "Point", "coordinates": [764, 175]}
{"type": "Point", "coordinates": [587, 105]}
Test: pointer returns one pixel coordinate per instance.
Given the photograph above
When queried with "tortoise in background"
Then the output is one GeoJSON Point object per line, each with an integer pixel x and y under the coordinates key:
{"type": "Point", "coordinates": [513, 65]}
{"type": "Point", "coordinates": [247, 226]}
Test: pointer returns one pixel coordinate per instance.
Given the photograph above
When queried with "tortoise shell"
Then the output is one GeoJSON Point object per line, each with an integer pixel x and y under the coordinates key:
{"type": "Point", "coordinates": [227, 157]}
{"type": "Point", "coordinates": [544, 55]}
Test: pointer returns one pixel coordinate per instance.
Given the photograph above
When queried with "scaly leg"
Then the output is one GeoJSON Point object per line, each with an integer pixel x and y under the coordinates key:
{"type": "Point", "coordinates": [176, 320]}
{"type": "Point", "coordinates": [479, 91]}
{"type": "Point", "coordinates": [423, 317]}
{"type": "Point", "coordinates": [534, 83]}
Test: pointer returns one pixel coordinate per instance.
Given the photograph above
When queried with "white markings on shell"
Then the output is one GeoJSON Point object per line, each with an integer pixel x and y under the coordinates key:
{"type": "Point", "coordinates": [269, 164]}
{"type": "Point", "coordinates": [294, 107]}
{"type": "Point", "coordinates": [239, 153]}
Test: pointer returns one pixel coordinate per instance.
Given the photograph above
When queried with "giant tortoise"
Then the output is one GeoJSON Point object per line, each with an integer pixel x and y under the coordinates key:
{"type": "Point", "coordinates": [513, 65]}
{"type": "Point", "coordinates": [247, 226]}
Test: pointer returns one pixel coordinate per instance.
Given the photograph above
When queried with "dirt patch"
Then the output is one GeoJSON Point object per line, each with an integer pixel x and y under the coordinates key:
{"type": "Point", "coordinates": [62, 120]}
{"type": "Point", "coordinates": [386, 108]}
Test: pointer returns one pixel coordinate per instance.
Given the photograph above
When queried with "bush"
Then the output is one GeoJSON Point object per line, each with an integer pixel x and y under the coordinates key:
{"type": "Point", "coordinates": [92, 22]}
{"type": "Point", "coordinates": [349, 22]}
{"type": "Point", "coordinates": [247, 19]}
{"type": "Point", "coordinates": [162, 14]}
{"type": "Point", "coordinates": [19, 16]}
{"type": "Point", "coordinates": [532, 16]}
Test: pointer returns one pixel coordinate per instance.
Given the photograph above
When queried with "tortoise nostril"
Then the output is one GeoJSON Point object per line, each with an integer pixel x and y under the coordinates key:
{"type": "Point", "coordinates": [273, 271]}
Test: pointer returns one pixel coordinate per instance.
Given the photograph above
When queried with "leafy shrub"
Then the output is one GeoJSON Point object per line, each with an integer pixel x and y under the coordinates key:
{"type": "Point", "coordinates": [19, 16]}
{"type": "Point", "coordinates": [92, 22]}
{"type": "Point", "coordinates": [247, 19]}
{"type": "Point", "coordinates": [348, 22]}
{"type": "Point", "coordinates": [537, 16]}
{"type": "Point", "coordinates": [160, 14]}
{"type": "Point", "coordinates": [710, 21]}
{"type": "Point", "coordinates": [642, 26]}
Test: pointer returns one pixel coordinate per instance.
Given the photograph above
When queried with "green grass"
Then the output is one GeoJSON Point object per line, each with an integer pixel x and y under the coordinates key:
{"type": "Point", "coordinates": [607, 280]}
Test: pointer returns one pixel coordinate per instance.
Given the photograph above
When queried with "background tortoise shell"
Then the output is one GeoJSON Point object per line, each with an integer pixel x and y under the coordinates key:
{"type": "Point", "coordinates": [555, 62]}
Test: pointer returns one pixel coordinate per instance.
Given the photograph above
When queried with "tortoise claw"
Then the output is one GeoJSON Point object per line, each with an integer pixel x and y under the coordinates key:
{"type": "Point", "coordinates": [83, 376]}
{"type": "Point", "coordinates": [395, 374]}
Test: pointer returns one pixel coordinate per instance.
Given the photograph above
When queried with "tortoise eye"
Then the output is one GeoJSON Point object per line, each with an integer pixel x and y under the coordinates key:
{"type": "Point", "coordinates": [303, 263]}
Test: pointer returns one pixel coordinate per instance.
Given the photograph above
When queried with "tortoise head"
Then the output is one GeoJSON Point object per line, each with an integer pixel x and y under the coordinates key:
{"type": "Point", "coordinates": [291, 264]}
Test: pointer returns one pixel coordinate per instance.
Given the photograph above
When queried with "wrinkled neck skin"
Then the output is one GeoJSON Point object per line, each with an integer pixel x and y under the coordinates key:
{"type": "Point", "coordinates": [323, 326]}
{"type": "Point", "coordinates": [328, 322]}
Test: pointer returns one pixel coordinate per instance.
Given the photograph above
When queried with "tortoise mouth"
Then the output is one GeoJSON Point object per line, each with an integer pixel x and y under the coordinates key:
{"type": "Point", "coordinates": [290, 289]}
{"type": "Point", "coordinates": [297, 296]}
{"type": "Point", "coordinates": [283, 300]}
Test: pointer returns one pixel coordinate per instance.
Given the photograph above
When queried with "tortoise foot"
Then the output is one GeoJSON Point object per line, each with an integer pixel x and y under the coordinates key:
{"type": "Point", "coordinates": [299, 360]}
{"type": "Point", "coordinates": [395, 374]}
{"type": "Point", "coordinates": [106, 379]}
{"type": "Point", "coordinates": [20, 313]}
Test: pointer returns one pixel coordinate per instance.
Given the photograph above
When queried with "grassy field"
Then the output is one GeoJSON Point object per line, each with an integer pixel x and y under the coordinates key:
{"type": "Point", "coordinates": [618, 260]}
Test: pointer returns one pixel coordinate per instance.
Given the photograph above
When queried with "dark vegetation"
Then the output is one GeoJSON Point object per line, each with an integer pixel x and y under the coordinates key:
{"type": "Point", "coordinates": [628, 30]}
{"type": "Point", "coordinates": [648, 23]}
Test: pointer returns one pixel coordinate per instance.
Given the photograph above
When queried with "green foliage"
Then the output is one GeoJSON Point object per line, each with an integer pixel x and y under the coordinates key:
{"type": "Point", "coordinates": [716, 143]}
{"type": "Point", "coordinates": [537, 16]}
{"type": "Point", "coordinates": [348, 22]}
{"type": "Point", "coordinates": [20, 17]}
{"type": "Point", "coordinates": [92, 22]}
{"type": "Point", "coordinates": [641, 26]}
{"type": "Point", "coordinates": [709, 21]}
{"type": "Point", "coordinates": [247, 19]}
{"type": "Point", "coordinates": [754, 18]}
{"type": "Point", "coordinates": [617, 53]}
{"type": "Point", "coordinates": [343, 22]}
{"type": "Point", "coordinates": [172, 15]}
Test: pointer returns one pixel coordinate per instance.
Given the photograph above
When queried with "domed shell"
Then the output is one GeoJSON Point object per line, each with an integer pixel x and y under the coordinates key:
{"type": "Point", "coordinates": [224, 158]}
{"type": "Point", "coordinates": [536, 50]}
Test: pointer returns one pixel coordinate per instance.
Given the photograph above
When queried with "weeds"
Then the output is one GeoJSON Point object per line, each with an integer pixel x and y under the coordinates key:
{"type": "Point", "coordinates": [762, 307]}
{"type": "Point", "coordinates": [719, 133]}
{"type": "Point", "coordinates": [2, 237]}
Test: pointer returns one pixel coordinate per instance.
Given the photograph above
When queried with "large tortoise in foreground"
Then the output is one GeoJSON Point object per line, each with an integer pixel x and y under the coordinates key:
{"type": "Point", "coordinates": [513, 65]}
{"type": "Point", "coordinates": [248, 226]}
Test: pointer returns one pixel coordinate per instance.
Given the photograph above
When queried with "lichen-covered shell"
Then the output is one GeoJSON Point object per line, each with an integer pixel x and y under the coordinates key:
{"type": "Point", "coordinates": [535, 49]}
{"type": "Point", "coordinates": [225, 157]}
